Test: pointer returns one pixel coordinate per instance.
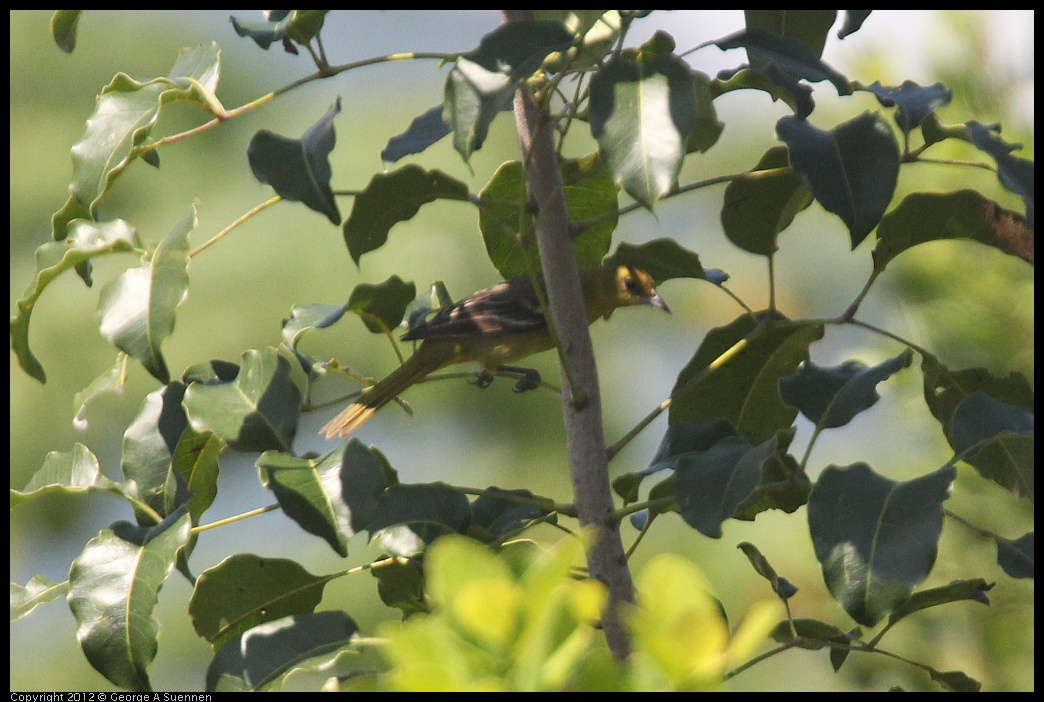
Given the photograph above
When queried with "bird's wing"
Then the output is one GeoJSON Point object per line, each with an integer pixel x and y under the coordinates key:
{"type": "Point", "coordinates": [508, 308]}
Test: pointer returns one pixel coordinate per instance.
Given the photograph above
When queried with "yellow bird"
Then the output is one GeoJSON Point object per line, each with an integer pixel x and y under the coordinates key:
{"type": "Point", "coordinates": [495, 326]}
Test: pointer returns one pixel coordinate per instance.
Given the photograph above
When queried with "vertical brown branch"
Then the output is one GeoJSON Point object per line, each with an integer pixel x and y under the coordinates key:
{"type": "Point", "coordinates": [588, 460]}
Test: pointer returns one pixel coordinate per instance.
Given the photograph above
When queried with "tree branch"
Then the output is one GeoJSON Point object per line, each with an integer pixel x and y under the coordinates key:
{"type": "Point", "coordinates": [588, 460]}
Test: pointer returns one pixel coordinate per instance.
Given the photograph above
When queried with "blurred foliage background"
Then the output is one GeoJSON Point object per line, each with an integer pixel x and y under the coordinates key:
{"type": "Point", "coordinates": [969, 304]}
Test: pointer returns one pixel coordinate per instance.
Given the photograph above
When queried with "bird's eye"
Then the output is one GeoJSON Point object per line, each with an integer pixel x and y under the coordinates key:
{"type": "Point", "coordinates": [632, 286]}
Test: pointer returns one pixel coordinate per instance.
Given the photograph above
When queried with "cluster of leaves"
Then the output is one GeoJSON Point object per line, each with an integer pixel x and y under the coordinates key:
{"type": "Point", "coordinates": [731, 412]}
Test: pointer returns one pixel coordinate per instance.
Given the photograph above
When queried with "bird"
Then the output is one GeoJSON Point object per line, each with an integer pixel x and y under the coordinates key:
{"type": "Point", "coordinates": [495, 326]}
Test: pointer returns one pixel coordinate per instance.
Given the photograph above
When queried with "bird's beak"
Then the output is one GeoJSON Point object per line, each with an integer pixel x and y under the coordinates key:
{"type": "Point", "coordinates": [655, 300]}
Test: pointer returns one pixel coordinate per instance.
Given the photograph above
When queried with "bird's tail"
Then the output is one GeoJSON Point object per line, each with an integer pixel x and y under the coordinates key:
{"type": "Point", "coordinates": [373, 398]}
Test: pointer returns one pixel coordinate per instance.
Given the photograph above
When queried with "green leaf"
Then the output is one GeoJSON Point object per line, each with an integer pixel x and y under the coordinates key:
{"type": "Point", "coordinates": [876, 538]}
{"type": "Point", "coordinates": [257, 659]}
{"type": "Point", "coordinates": [957, 591]}
{"type": "Point", "coordinates": [1016, 174]}
{"type": "Point", "coordinates": [312, 493]}
{"type": "Point", "coordinates": [499, 517]}
{"type": "Point", "coordinates": [424, 130]}
{"type": "Point", "coordinates": [745, 388]}
{"type": "Point", "coordinates": [964, 214]}
{"type": "Point", "coordinates": [832, 397]}
{"type": "Point", "coordinates": [663, 259]}
{"type": "Point", "coordinates": [299, 25]}
{"type": "Point", "coordinates": [1008, 458]}
{"type": "Point", "coordinates": [257, 411]}
{"type": "Point", "coordinates": [113, 588]}
{"type": "Point", "coordinates": [136, 309]}
{"type": "Point", "coordinates": [245, 590]}
{"type": "Point", "coordinates": [382, 306]}
{"type": "Point", "coordinates": [409, 517]}
{"type": "Point", "coordinates": [149, 444]}
{"type": "Point", "coordinates": [955, 681]}
{"type": "Point", "coordinates": [852, 169]}
{"type": "Point", "coordinates": [762, 203]}
{"type": "Point", "coordinates": [38, 591]}
{"type": "Point", "coordinates": [643, 108]}
{"type": "Point", "coordinates": [709, 486]}
{"type": "Point", "coordinates": [817, 633]}
{"type": "Point", "coordinates": [769, 79]}
{"type": "Point", "coordinates": [508, 227]}
{"type": "Point", "coordinates": [789, 55]}
{"type": "Point", "coordinates": [781, 586]}
{"type": "Point", "coordinates": [1016, 557]}
{"type": "Point", "coordinates": [808, 28]}
{"type": "Point", "coordinates": [123, 119]}
{"type": "Point", "coordinates": [853, 21]}
{"type": "Point", "coordinates": [195, 462]}
{"type": "Point", "coordinates": [394, 197]}
{"type": "Point", "coordinates": [915, 102]}
{"type": "Point", "coordinates": [400, 584]}
{"type": "Point", "coordinates": [85, 241]}
{"type": "Point", "coordinates": [299, 169]}
{"type": "Point", "coordinates": [72, 472]}
{"type": "Point", "coordinates": [63, 28]}
{"type": "Point", "coordinates": [482, 82]}
{"type": "Point", "coordinates": [112, 380]}
{"type": "Point", "coordinates": [997, 439]}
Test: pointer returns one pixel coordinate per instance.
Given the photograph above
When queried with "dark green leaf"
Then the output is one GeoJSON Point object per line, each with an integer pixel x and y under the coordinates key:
{"type": "Point", "coordinates": [964, 214]}
{"type": "Point", "coordinates": [400, 584]}
{"type": "Point", "coordinates": [957, 591]}
{"type": "Point", "coordinates": [499, 517]}
{"type": "Point", "coordinates": [136, 309]}
{"type": "Point", "coordinates": [299, 169]}
{"type": "Point", "coordinates": [743, 389]}
{"type": "Point", "coordinates": [113, 588]}
{"type": "Point", "coordinates": [770, 79]}
{"type": "Point", "coordinates": [809, 28]}
{"type": "Point", "coordinates": [762, 203]}
{"type": "Point", "coordinates": [663, 259]}
{"type": "Point", "coordinates": [256, 659]}
{"type": "Point", "coordinates": [1016, 557]}
{"type": "Point", "coordinates": [788, 54]}
{"type": "Point", "coordinates": [1016, 174]}
{"type": "Point", "coordinates": [832, 397]}
{"type": "Point", "coordinates": [781, 586]}
{"type": "Point", "coordinates": [707, 128]}
{"type": "Point", "coordinates": [255, 412]}
{"type": "Point", "coordinates": [709, 486]}
{"type": "Point", "coordinates": [955, 681]}
{"type": "Point", "coordinates": [1006, 459]}
{"type": "Point", "coordinates": [817, 634]}
{"type": "Point", "coordinates": [853, 21]}
{"type": "Point", "coordinates": [312, 493]}
{"type": "Point", "coordinates": [245, 590]}
{"type": "Point", "coordinates": [643, 108]}
{"type": "Point", "coordinates": [784, 485]}
{"type": "Point", "coordinates": [852, 170]}
{"type": "Point", "coordinates": [149, 444]}
{"type": "Point", "coordinates": [73, 472]}
{"type": "Point", "coordinates": [519, 49]}
{"type": "Point", "coordinates": [423, 131]}
{"type": "Point", "coordinates": [195, 463]}
{"type": "Point", "coordinates": [38, 591]}
{"type": "Point", "coordinates": [410, 517]}
{"type": "Point", "coordinates": [365, 475]}
{"type": "Point", "coordinates": [915, 102]}
{"type": "Point", "coordinates": [85, 240]}
{"type": "Point", "coordinates": [507, 225]}
{"type": "Point", "coordinates": [382, 306]}
{"type": "Point", "coordinates": [394, 197]}
{"type": "Point", "coordinates": [300, 25]}
{"type": "Point", "coordinates": [875, 538]}
{"type": "Point", "coordinates": [63, 29]}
